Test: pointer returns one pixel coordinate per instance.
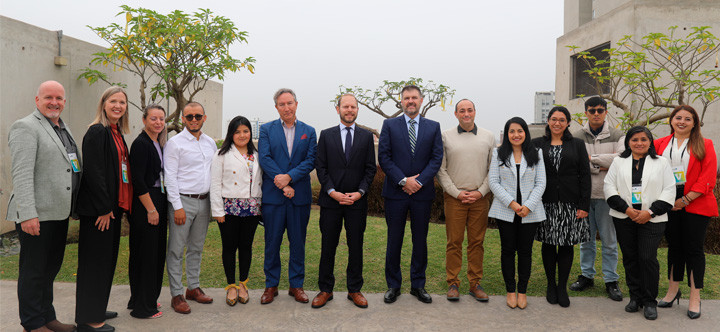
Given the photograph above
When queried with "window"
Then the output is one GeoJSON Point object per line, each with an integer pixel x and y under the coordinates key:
{"type": "Point", "coordinates": [582, 83]}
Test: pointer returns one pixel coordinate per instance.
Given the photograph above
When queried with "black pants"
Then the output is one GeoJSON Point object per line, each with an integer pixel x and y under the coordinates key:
{"type": "Point", "coordinates": [147, 255]}
{"type": "Point", "coordinates": [685, 233]}
{"type": "Point", "coordinates": [516, 237]}
{"type": "Point", "coordinates": [97, 257]}
{"type": "Point", "coordinates": [639, 244]}
{"type": "Point", "coordinates": [557, 256]}
{"type": "Point", "coordinates": [237, 234]}
{"type": "Point", "coordinates": [331, 224]}
{"type": "Point", "coordinates": [40, 260]}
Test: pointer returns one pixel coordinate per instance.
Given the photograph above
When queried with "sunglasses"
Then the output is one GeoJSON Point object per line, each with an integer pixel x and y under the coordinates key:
{"type": "Point", "coordinates": [596, 110]}
{"type": "Point", "coordinates": [197, 117]}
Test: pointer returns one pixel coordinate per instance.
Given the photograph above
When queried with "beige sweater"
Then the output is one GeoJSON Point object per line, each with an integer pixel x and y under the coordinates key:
{"type": "Point", "coordinates": [465, 161]}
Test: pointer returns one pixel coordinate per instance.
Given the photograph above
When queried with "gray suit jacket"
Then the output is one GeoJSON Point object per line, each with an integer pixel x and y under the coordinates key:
{"type": "Point", "coordinates": [41, 171]}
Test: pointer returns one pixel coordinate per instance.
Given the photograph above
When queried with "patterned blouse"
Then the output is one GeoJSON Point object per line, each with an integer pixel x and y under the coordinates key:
{"type": "Point", "coordinates": [244, 207]}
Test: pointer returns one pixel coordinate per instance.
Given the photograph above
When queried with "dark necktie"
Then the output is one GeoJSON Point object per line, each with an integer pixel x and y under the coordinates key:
{"type": "Point", "coordinates": [412, 135]}
{"type": "Point", "coordinates": [348, 143]}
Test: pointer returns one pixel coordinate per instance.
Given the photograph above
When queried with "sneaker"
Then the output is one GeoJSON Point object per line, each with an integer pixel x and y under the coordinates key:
{"type": "Point", "coordinates": [582, 283]}
{"type": "Point", "coordinates": [613, 291]}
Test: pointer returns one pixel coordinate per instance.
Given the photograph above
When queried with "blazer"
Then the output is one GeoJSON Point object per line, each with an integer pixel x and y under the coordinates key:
{"type": "Point", "coordinates": [41, 171]}
{"type": "Point", "coordinates": [275, 159]}
{"type": "Point", "coordinates": [701, 176]}
{"type": "Point", "coordinates": [98, 193]}
{"type": "Point", "coordinates": [397, 161]}
{"type": "Point", "coordinates": [144, 164]}
{"type": "Point", "coordinates": [334, 172]}
{"type": "Point", "coordinates": [503, 183]}
{"type": "Point", "coordinates": [230, 178]}
{"type": "Point", "coordinates": [658, 183]}
{"type": "Point", "coordinates": [570, 183]}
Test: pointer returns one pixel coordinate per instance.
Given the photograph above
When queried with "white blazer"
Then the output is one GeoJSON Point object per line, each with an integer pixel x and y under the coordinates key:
{"type": "Point", "coordinates": [229, 178]}
{"type": "Point", "coordinates": [658, 183]}
{"type": "Point", "coordinates": [503, 183]}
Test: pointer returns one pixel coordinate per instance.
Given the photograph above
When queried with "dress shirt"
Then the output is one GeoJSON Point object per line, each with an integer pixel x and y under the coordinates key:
{"type": "Point", "coordinates": [343, 134]}
{"type": "Point", "coordinates": [187, 163]}
{"type": "Point", "coordinates": [417, 124]}
{"type": "Point", "coordinates": [289, 135]}
{"type": "Point", "coordinates": [460, 130]}
{"type": "Point", "coordinates": [71, 147]}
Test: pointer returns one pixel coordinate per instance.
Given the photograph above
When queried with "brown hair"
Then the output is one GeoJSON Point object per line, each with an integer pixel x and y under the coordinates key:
{"type": "Point", "coordinates": [697, 141]}
{"type": "Point", "coordinates": [101, 117]}
{"type": "Point", "coordinates": [162, 137]}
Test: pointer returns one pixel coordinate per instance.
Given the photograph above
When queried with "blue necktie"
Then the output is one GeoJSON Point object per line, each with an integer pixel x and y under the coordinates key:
{"type": "Point", "coordinates": [348, 143]}
{"type": "Point", "coordinates": [413, 139]}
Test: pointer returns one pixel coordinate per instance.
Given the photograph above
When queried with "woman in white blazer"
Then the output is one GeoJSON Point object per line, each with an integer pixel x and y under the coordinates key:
{"type": "Point", "coordinates": [235, 196]}
{"type": "Point", "coordinates": [640, 190]}
{"type": "Point", "coordinates": [517, 178]}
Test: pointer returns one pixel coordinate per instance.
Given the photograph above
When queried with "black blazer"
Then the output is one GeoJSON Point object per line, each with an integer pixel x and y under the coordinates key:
{"type": "Point", "coordinates": [98, 194]}
{"type": "Point", "coordinates": [333, 171]}
{"type": "Point", "coordinates": [144, 164]}
{"type": "Point", "coordinates": [570, 183]}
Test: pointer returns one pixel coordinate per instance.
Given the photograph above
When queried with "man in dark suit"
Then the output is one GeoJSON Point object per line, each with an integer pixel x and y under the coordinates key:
{"type": "Point", "coordinates": [410, 153]}
{"type": "Point", "coordinates": [287, 156]}
{"type": "Point", "coordinates": [345, 168]}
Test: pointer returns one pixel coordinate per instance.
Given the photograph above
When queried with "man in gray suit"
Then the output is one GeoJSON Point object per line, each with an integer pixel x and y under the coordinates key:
{"type": "Point", "coordinates": [45, 174]}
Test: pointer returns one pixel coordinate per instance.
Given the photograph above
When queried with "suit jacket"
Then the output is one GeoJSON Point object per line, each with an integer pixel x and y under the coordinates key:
{"type": "Point", "coordinates": [144, 164]}
{"type": "Point", "coordinates": [41, 171]}
{"type": "Point", "coordinates": [275, 159]}
{"type": "Point", "coordinates": [570, 183]}
{"type": "Point", "coordinates": [397, 161]}
{"type": "Point", "coordinates": [230, 178]}
{"type": "Point", "coordinates": [503, 183]}
{"type": "Point", "coordinates": [99, 186]}
{"type": "Point", "coordinates": [334, 172]}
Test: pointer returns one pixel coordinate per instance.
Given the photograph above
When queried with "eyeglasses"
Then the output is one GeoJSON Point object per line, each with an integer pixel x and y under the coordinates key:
{"type": "Point", "coordinates": [594, 110]}
{"type": "Point", "coordinates": [560, 120]}
{"type": "Point", "coordinates": [197, 117]}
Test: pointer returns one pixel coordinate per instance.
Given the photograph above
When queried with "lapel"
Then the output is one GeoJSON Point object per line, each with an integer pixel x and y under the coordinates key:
{"type": "Point", "coordinates": [523, 166]}
{"type": "Point", "coordinates": [296, 139]}
{"type": "Point", "coordinates": [113, 151]}
{"type": "Point", "coordinates": [406, 134]}
{"type": "Point", "coordinates": [648, 171]}
{"type": "Point", "coordinates": [45, 124]}
{"type": "Point", "coordinates": [279, 134]}
{"type": "Point", "coordinates": [356, 138]}
{"type": "Point", "coordinates": [626, 170]}
{"type": "Point", "coordinates": [336, 147]}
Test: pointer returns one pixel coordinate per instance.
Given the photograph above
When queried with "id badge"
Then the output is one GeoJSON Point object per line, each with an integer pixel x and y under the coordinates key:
{"type": "Point", "coordinates": [74, 162]}
{"type": "Point", "coordinates": [162, 182]}
{"type": "Point", "coordinates": [679, 173]}
{"type": "Point", "coordinates": [637, 194]}
{"type": "Point", "coordinates": [125, 173]}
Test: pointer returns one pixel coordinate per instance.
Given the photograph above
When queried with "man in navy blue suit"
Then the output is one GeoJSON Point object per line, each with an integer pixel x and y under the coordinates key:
{"type": "Point", "coordinates": [410, 153]}
{"type": "Point", "coordinates": [287, 156]}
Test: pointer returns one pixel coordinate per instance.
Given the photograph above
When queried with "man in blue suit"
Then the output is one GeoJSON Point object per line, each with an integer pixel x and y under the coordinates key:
{"type": "Point", "coordinates": [287, 156]}
{"type": "Point", "coordinates": [410, 153]}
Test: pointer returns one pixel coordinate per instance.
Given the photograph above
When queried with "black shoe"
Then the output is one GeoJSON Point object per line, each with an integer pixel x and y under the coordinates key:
{"type": "Point", "coordinates": [391, 295]}
{"type": "Point", "coordinates": [633, 306]}
{"type": "Point", "coordinates": [421, 295]}
{"type": "Point", "coordinates": [110, 314]}
{"type": "Point", "coordinates": [582, 283]}
{"type": "Point", "coordinates": [551, 294]}
{"type": "Point", "coordinates": [613, 291]}
{"type": "Point", "coordinates": [663, 304]}
{"type": "Point", "coordinates": [650, 313]}
{"type": "Point", "coordinates": [562, 297]}
{"type": "Point", "coordinates": [695, 315]}
{"type": "Point", "coordinates": [88, 328]}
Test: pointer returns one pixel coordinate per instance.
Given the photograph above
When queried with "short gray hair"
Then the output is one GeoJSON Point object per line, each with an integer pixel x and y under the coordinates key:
{"type": "Point", "coordinates": [279, 92]}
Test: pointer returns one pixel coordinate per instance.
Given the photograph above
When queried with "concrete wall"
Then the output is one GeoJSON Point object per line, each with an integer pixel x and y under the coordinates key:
{"type": "Point", "coordinates": [27, 56]}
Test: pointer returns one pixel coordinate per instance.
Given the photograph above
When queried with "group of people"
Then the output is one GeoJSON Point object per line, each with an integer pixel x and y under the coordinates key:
{"type": "Point", "coordinates": [560, 189]}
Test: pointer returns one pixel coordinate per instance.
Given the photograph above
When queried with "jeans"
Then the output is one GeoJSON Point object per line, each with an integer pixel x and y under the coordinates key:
{"type": "Point", "coordinates": [600, 221]}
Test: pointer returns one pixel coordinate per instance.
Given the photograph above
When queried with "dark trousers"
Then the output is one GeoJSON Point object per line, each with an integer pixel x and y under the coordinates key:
{"type": "Point", "coordinates": [237, 234]}
{"type": "Point", "coordinates": [639, 244]}
{"type": "Point", "coordinates": [516, 237]}
{"type": "Point", "coordinates": [40, 260]}
{"type": "Point", "coordinates": [147, 256]}
{"type": "Point", "coordinates": [396, 212]}
{"type": "Point", "coordinates": [277, 218]}
{"type": "Point", "coordinates": [97, 257]}
{"type": "Point", "coordinates": [331, 224]}
{"type": "Point", "coordinates": [685, 233]}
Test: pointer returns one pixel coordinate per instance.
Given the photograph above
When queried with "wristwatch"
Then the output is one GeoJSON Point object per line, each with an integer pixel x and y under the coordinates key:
{"type": "Point", "coordinates": [652, 214]}
{"type": "Point", "coordinates": [403, 182]}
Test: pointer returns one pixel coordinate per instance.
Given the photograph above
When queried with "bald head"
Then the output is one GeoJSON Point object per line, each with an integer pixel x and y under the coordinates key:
{"type": "Point", "coordinates": [50, 100]}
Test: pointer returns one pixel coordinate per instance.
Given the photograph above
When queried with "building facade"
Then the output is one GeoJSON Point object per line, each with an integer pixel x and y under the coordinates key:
{"type": "Point", "coordinates": [544, 101]}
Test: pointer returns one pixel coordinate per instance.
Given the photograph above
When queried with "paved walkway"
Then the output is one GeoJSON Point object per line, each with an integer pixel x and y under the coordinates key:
{"type": "Point", "coordinates": [407, 314]}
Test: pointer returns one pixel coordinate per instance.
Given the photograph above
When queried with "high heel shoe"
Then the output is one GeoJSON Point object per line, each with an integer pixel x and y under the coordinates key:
{"type": "Point", "coordinates": [663, 304]}
{"type": "Point", "coordinates": [695, 315]}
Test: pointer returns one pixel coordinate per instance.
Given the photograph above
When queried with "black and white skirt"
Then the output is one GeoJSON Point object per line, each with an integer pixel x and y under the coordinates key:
{"type": "Point", "coordinates": [562, 228]}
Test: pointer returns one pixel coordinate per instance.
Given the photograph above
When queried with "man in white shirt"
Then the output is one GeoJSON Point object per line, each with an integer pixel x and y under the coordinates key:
{"type": "Point", "coordinates": [187, 159]}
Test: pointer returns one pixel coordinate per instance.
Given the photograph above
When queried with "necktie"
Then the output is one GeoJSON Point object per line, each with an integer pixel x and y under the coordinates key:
{"type": "Point", "coordinates": [411, 131]}
{"type": "Point", "coordinates": [348, 143]}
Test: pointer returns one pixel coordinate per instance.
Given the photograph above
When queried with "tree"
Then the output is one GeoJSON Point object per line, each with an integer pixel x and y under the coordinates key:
{"type": "Point", "coordinates": [390, 92]}
{"type": "Point", "coordinates": [174, 55]}
{"type": "Point", "coordinates": [647, 78]}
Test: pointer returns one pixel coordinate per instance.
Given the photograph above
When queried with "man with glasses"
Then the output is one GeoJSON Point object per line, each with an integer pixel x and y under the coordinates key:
{"type": "Point", "coordinates": [186, 160]}
{"type": "Point", "coordinates": [603, 142]}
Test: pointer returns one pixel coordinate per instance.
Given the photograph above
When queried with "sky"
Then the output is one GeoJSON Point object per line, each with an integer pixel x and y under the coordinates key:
{"type": "Point", "coordinates": [495, 53]}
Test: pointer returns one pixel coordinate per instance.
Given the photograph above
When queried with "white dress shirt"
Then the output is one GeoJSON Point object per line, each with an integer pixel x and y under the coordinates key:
{"type": "Point", "coordinates": [187, 165]}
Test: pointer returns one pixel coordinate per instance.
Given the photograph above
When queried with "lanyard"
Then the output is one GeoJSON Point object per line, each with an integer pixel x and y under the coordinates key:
{"type": "Point", "coordinates": [672, 145]}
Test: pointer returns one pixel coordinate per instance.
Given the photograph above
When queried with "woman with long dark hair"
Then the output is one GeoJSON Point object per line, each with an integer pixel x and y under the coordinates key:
{"type": "Point", "coordinates": [566, 201]}
{"type": "Point", "coordinates": [694, 164]}
{"type": "Point", "coordinates": [517, 178]}
{"type": "Point", "coordinates": [235, 197]}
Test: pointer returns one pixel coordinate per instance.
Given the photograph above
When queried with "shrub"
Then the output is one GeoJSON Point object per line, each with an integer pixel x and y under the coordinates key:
{"type": "Point", "coordinates": [712, 237]}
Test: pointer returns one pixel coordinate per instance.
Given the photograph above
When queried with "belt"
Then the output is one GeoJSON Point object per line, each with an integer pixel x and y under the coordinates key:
{"type": "Point", "coordinates": [198, 196]}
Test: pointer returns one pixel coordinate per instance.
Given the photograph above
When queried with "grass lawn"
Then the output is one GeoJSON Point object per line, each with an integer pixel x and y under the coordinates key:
{"type": "Point", "coordinates": [374, 264]}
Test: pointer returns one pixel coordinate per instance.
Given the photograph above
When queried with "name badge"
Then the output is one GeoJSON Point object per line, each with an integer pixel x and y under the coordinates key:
{"type": "Point", "coordinates": [679, 172]}
{"type": "Point", "coordinates": [125, 173]}
{"type": "Point", "coordinates": [162, 182]}
{"type": "Point", "coordinates": [637, 194]}
{"type": "Point", "coordinates": [74, 162]}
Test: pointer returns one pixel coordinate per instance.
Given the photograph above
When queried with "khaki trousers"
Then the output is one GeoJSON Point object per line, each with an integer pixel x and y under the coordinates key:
{"type": "Point", "coordinates": [474, 218]}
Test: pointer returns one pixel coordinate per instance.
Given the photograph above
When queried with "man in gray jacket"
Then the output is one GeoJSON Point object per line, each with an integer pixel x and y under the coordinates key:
{"type": "Point", "coordinates": [45, 175]}
{"type": "Point", "coordinates": [603, 142]}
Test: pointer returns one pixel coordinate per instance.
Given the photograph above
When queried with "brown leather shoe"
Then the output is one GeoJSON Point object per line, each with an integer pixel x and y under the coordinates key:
{"type": "Point", "coordinates": [522, 301]}
{"type": "Point", "coordinates": [479, 293]}
{"type": "Point", "coordinates": [179, 304]}
{"type": "Point", "coordinates": [322, 298]}
{"type": "Point", "coordinates": [56, 326]}
{"type": "Point", "coordinates": [268, 295]}
{"type": "Point", "coordinates": [197, 295]}
{"type": "Point", "coordinates": [41, 329]}
{"type": "Point", "coordinates": [299, 294]}
{"type": "Point", "coordinates": [358, 299]}
{"type": "Point", "coordinates": [453, 294]}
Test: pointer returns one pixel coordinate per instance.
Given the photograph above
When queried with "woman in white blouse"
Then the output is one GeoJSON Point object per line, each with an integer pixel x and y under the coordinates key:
{"type": "Point", "coordinates": [236, 179]}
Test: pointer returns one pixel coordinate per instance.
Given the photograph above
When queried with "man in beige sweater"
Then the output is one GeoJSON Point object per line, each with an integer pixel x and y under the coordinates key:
{"type": "Point", "coordinates": [463, 177]}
